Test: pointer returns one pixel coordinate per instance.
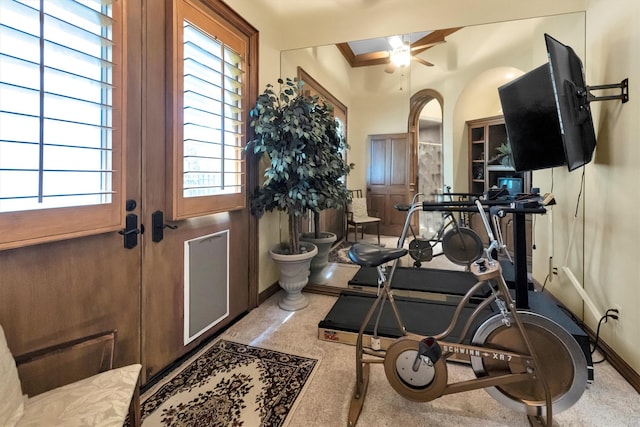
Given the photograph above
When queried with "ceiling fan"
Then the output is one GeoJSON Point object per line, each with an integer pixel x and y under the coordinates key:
{"type": "Point", "coordinates": [380, 51]}
{"type": "Point", "coordinates": [402, 53]}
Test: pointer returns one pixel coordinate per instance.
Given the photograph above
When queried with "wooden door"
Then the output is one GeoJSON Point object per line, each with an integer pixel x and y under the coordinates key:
{"type": "Point", "coordinates": [63, 290]}
{"type": "Point", "coordinates": [163, 268]}
{"type": "Point", "coordinates": [388, 179]}
{"type": "Point", "coordinates": [71, 288]}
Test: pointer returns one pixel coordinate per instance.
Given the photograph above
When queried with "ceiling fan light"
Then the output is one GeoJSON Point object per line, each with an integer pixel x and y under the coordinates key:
{"type": "Point", "coordinates": [390, 68]}
{"type": "Point", "coordinates": [401, 56]}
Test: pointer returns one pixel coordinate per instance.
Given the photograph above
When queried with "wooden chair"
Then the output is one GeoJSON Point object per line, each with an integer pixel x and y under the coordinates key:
{"type": "Point", "coordinates": [104, 399]}
{"type": "Point", "coordinates": [358, 215]}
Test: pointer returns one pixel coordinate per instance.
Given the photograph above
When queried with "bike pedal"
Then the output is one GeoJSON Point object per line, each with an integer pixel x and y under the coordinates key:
{"type": "Point", "coordinates": [430, 349]}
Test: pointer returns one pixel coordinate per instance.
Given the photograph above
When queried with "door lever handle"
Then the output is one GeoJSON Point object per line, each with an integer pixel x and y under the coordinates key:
{"type": "Point", "coordinates": [131, 231]}
{"type": "Point", "coordinates": [128, 232]}
{"type": "Point", "coordinates": [158, 226]}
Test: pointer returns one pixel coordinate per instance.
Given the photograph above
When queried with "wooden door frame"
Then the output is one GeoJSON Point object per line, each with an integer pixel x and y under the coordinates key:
{"type": "Point", "coordinates": [416, 104]}
{"type": "Point", "coordinates": [331, 220]}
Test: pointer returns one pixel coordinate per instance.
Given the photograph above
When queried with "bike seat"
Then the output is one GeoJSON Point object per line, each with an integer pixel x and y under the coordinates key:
{"type": "Point", "coordinates": [372, 256]}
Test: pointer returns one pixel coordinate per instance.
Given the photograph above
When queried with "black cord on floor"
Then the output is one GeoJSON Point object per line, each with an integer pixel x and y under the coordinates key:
{"type": "Point", "coordinates": [544, 285]}
{"type": "Point", "coordinates": [610, 314]}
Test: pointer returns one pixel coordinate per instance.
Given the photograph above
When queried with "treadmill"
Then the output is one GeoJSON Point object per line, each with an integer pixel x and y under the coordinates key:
{"type": "Point", "coordinates": [345, 318]}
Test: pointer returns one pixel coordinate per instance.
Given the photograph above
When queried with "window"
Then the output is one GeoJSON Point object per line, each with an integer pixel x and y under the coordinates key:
{"type": "Point", "coordinates": [60, 119]}
{"type": "Point", "coordinates": [208, 171]}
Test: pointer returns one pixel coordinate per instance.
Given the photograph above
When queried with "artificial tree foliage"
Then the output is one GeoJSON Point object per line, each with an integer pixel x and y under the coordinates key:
{"type": "Point", "coordinates": [301, 138]}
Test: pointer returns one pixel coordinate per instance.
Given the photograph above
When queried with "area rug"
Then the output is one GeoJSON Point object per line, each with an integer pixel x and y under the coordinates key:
{"type": "Point", "coordinates": [230, 384]}
{"type": "Point", "coordinates": [340, 253]}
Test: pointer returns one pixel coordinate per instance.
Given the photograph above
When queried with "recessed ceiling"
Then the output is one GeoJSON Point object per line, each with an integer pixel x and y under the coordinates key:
{"type": "Point", "coordinates": [362, 53]}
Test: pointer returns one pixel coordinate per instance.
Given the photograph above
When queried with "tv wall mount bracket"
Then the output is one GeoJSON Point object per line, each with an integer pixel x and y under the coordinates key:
{"type": "Point", "coordinates": [623, 96]}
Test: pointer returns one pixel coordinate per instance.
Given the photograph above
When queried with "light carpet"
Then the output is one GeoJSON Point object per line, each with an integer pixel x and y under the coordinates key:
{"type": "Point", "coordinates": [229, 384]}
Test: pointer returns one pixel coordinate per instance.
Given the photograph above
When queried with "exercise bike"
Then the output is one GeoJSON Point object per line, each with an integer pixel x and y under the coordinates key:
{"type": "Point", "coordinates": [524, 360]}
{"type": "Point", "coordinates": [457, 242]}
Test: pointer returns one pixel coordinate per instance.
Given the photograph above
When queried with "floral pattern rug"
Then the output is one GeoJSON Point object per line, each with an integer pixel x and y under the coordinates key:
{"type": "Point", "coordinates": [340, 253]}
{"type": "Point", "coordinates": [230, 384]}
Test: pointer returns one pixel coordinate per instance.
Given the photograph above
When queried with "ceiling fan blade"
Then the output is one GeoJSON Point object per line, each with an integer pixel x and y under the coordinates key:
{"type": "Point", "coordinates": [425, 46]}
{"type": "Point", "coordinates": [422, 61]}
{"type": "Point", "coordinates": [373, 56]}
{"type": "Point", "coordinates": [390, 68]}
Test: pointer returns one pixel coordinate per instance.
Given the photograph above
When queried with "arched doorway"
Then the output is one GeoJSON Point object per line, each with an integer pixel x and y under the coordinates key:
{"type": "Point", "coordinates": [427, 163]}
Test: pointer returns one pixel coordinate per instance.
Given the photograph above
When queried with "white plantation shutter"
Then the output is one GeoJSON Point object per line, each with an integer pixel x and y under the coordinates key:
{"type": "Point", "coordinates": [59, 115]}
{"type": "Point", "coordinates": [212, 116]}
{"type": "Point", "coordinates": [209, 167]}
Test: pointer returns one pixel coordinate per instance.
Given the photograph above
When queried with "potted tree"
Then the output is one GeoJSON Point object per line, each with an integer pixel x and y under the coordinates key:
{"type": "Point", "coordinates": [330, 190]}
{"type": "Point", "coordinates": [290, 128]}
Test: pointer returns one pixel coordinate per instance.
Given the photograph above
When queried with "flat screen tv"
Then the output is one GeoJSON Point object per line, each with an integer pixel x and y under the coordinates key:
{"type": "Point", "coordinates": [547, 114]}
{"type": "Point", "coordinates": [531, 119]}
{"type": "Point", "coordinates": [570, 91]}
{"type": "Point", "coordinates": [513, 185]}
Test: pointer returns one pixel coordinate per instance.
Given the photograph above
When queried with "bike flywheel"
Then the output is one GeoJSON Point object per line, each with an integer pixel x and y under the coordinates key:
{"type": "Point", "coordinates": [564, 365]}
{"type": "Point", "coordinates": [423, 385]}
{"type": "Point", "coordinates": [420, 250]}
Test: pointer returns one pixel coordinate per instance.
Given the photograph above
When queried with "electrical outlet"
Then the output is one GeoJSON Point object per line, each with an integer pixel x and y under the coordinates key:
{"type": "Point", "coordinates": [619, 313]}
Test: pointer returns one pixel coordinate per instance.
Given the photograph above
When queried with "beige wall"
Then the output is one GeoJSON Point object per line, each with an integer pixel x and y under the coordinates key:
{"type": "Point", "coordinates": [610, 53]}
{"type": "Point", "coordinates": [611, 196]}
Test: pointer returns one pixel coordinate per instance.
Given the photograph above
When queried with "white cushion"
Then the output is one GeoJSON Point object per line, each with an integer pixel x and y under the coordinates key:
{"type": "Point", "coordinates": [11, 400]}
{"type": "Point", "coordinates": [101, 400]}
{"type": "Point", "coordinates": [359, 207]}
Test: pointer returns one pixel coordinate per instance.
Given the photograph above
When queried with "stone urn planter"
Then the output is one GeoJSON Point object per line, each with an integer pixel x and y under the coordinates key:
{"type": "Point", "coordinates": [320, 261]}
{"type": "Point", "coordinates": [294, 274]}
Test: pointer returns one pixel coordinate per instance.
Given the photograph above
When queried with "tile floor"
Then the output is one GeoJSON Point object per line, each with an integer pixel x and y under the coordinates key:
{"type": "Point", "coordinates": [609, 401]}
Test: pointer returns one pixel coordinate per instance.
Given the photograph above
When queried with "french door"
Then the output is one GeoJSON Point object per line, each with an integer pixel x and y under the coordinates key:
{"type": "Point", "coordinates": [164, 270]}
{"type": "Point", "coordinates": [127, 279]}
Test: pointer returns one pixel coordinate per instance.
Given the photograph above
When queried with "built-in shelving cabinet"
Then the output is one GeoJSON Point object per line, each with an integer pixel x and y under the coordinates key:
{"type": "Point", "coordinates": [487, 140]}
